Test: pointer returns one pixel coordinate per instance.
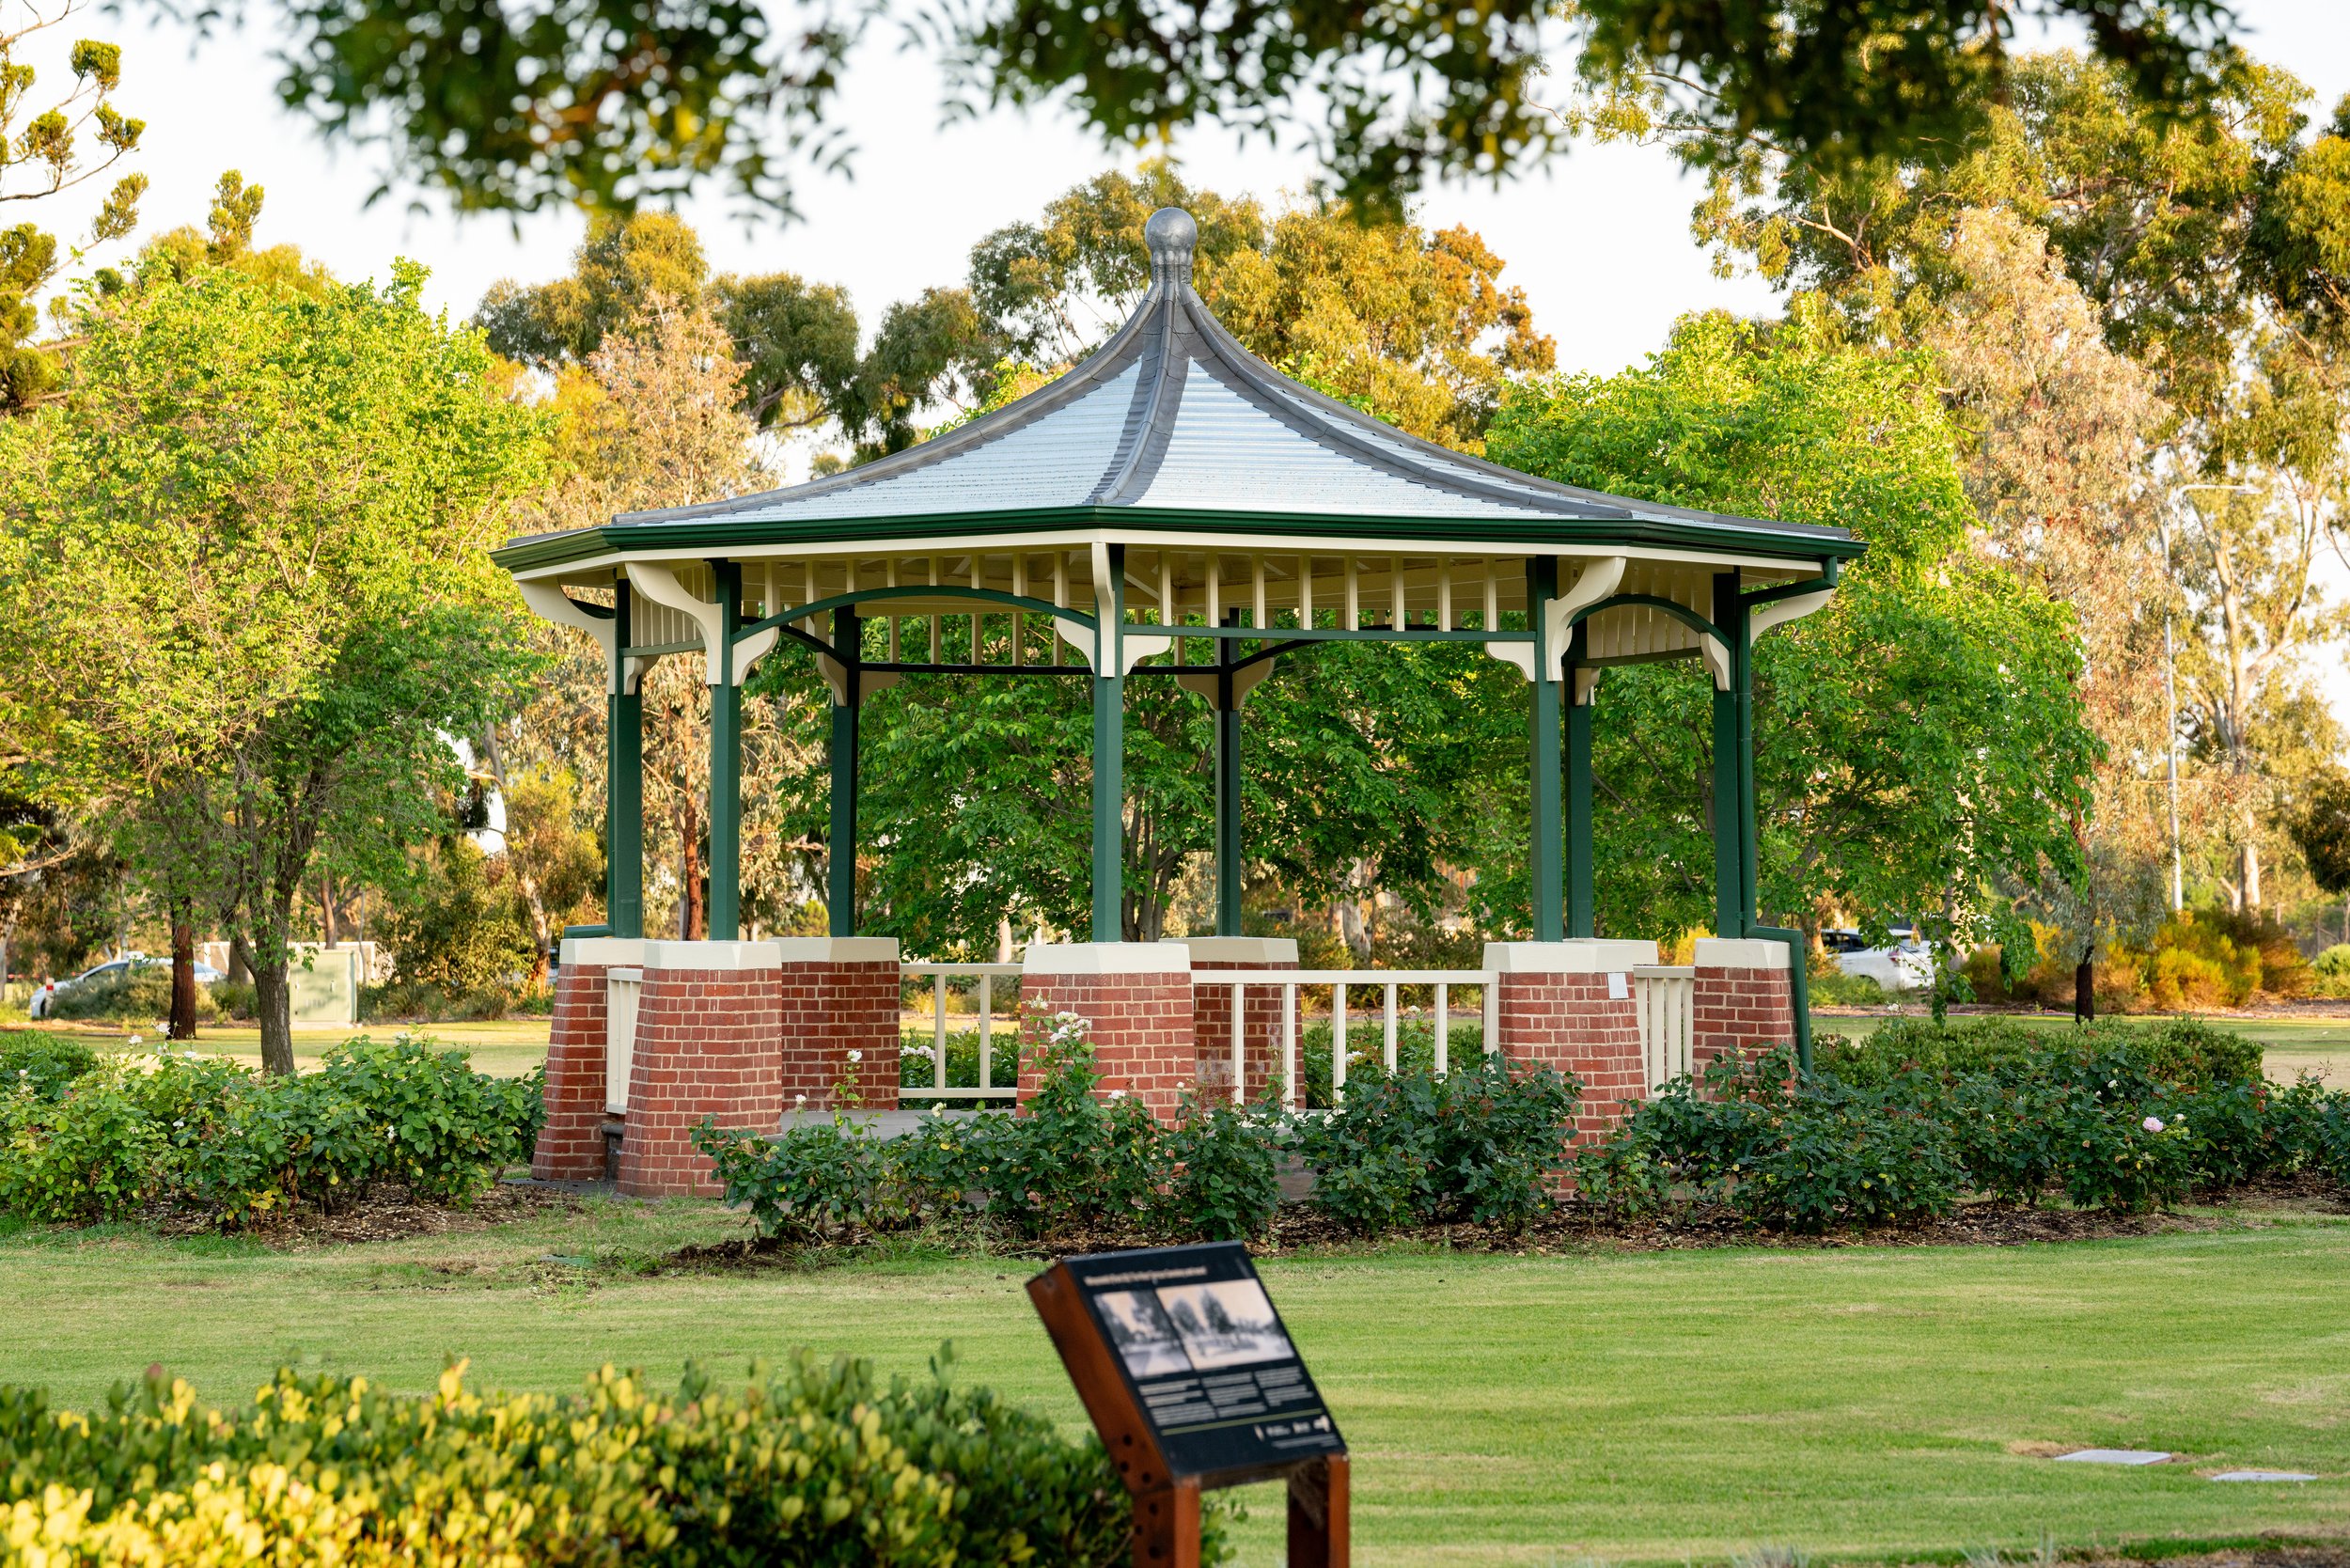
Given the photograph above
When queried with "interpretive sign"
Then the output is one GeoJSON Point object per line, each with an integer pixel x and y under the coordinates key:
{"type": "Point", "coordinates": [1194, 1383]}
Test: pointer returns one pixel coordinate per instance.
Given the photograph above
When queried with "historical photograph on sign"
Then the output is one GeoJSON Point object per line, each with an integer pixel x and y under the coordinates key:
{"type": "Point", "coordinates": [1225, 1324]}
{"type": "Point", "coordinates": [1145, 1340]}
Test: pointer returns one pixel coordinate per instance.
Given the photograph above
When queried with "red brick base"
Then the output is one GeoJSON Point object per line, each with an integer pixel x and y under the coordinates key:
{"type": "Point", "coordinates": [1556, 1012]}
{"type": "Point", "coordinates": [707, 1027]}
{"type": "Point", "coordinates": [571, 1141]}
{"type": "Point", "coordinates": [1136, 996]}
{"type": "Point", "coordinates": [839, 995]}
{"type": "Point", "coordinates": [1744, 1003]}
{"type": "Point", "coordinates": [1261, 1013]}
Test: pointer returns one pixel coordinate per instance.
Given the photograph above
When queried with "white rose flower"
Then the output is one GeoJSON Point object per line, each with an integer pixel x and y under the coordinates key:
{"type": "Point", "coordinates": [799, 1099]}
{"type": "Point", "coordinates": [2152, 1123]}
{"type": "Point", "coordinates": [856, 1055]}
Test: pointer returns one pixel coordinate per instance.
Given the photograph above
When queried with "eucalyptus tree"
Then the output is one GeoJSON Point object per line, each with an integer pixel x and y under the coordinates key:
{"type": "Point", "coordinates": [1920, 739]}
{"type": "Point", "coordinates": [246, 551]}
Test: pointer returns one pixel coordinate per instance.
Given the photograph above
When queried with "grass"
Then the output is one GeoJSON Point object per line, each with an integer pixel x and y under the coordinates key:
{"type": "Point", "coordinates": [1868, 1402]}
{"type": "Point", "coordinates": [507, 1046]}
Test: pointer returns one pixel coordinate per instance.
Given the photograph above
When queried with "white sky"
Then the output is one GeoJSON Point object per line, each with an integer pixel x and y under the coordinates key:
{"type": "Point", "coordinates": [1598, 238]}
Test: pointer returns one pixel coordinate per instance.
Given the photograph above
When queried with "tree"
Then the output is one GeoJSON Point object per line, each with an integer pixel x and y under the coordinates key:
{"type": "Point", "coordinates": [268, 621]}
{"type": "Point", "coordinates": [519, 110]}
{"type": "Point", "coordinates": [2322, 830]}
{"type": "Point", "coordinates": [2212, 254]}
{"type": "Point", "coordinates": [1917, 739]}
{"type": "Point", "coordinates": [656, 417]}
{"type": "Point", "coordinates": [44, 157]}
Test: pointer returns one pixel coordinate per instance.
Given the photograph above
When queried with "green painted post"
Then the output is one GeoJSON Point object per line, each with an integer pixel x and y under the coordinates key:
{"type": "Point", "coordinates": [1742, 661]}
{"type": "Point", "coordinates": [624, 785]}
{"type": "Point", "coordinates": [1581, 921]}
{"type": "Point", "coordinates": [1109, 756]}
{"type": "Point", "coordinates": [841, 846]}
{"type": "Point", "coordinates": [1541, 587]}
{"type": "Point", "coordinates": [1730, 908]}
{"type": "Point", "coordinates": [725, 765]}
{"type": "Point", "coordinates": [1227, 884]}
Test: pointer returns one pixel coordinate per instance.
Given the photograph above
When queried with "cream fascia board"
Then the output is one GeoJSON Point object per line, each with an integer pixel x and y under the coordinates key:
{"type": "Point", "coordinates": [1380, 547]}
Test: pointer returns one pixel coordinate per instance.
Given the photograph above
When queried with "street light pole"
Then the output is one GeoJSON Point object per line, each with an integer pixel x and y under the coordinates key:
{"type": "Point", "coordinates": [2170, 689]}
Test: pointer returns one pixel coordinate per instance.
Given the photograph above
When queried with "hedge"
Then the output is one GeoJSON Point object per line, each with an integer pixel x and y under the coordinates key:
{"type": "Point", "coordinates": [208, 1134]}
{"type": "Point", "coordinates": [809, 1464]}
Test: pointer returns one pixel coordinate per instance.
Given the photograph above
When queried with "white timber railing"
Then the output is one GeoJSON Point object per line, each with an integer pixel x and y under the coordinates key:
{"type": "Point", "coordinates": [988, 974]}
{"type": "Point", "coordinates": [1665, 997]}
{"type": "Point", "coordinates": [621, 989]}
{"type": "Point", "coordinates": [1387, 981]}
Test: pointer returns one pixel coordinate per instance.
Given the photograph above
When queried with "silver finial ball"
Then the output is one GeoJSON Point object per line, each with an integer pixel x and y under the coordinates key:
{"type": "Point", "coordinates": [1170, 234]}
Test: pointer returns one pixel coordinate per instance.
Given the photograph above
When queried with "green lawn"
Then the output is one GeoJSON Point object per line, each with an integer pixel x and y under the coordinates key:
{"type": "Point", "coordinates": [509, 1046]}
{"type": "Point", "coordinates": [1873, 1403]}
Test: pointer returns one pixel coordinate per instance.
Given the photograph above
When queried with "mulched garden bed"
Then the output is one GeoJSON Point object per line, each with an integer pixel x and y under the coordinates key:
{"type": "Point", "coordinates": [387, 1212]}
{"type": "Point", "coordinates": [1571, 1228]}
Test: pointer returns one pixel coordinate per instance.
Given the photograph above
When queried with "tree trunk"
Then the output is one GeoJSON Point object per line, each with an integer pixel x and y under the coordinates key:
{"type": "Point", "coordinates": [327, 934]}
{"type": "Point", "coordinates": [693, 896]}
{"type": "Point", "coordinates": [2251, 876]}
{"type": "Point", "coordinates": [2085, 990]}
{"type": "Point", "coordinates": [273, 1002]}
{"type": "Point", "coordinates": [183, 974]}
{"type": "Point", "coordinates": [240, 958]}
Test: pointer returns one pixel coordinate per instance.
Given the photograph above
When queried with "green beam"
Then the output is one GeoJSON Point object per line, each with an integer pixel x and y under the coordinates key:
{"type": "Point", "coordinates": [840, 845]}
{"type": "Point", "coordinates": [725, 765]}
{"type": "Point", "coordinates": [1541, 587]}
{"type": "Point", "coordinates": [1109, 762]}
{"type": "Point", "coordinates": [1581, 920]}
{"type": "Point", "coordinates": [624, 788]}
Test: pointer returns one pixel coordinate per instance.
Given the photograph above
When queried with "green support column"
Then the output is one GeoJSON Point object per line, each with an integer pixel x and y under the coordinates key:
{"type": "Point", "coordinates": [1580, 920]}
{"type": "Point", "coordinates": [1730, 821]}
{"type": "Point", "coordinates": [1109, 756]}
{"type": "Point", "coordinates": [841, 846]}
{"type": "Point", "coordinates": [624, 785]}
{"type": "Point", "coordinates": [1228, 883]}
{"type": "Point", "coordinates": [1541, 587]}
{"type": "Point", "coordinates": [725, 765]}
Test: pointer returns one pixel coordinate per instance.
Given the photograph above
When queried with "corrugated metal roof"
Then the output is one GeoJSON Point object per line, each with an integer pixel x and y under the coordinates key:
{"type": "Point", "coordinates": [1174, 414]}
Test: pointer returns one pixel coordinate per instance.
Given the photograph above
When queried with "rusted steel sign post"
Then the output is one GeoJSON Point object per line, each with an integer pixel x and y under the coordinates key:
{"type": "Point", "coordinates": [1194, 1383]}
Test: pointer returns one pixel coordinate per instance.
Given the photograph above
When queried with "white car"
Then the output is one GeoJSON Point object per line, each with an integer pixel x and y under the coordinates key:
{"type": "Point", "coordinates": [1906, 965]}
{"type": "Point", "coordinates": [42, 999]}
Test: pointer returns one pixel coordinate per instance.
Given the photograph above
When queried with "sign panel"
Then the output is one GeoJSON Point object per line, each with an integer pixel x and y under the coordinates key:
{"type": "Point", "coordinates": [1209, 1363]}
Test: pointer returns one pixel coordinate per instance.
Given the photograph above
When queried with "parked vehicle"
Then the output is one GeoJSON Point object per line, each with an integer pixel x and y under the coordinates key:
{"type": "Point", "coordinates": [42, 999]}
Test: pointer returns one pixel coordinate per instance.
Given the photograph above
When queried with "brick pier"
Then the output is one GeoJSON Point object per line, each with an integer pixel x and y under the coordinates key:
{"type": "Point", "coordinates": [1745, 1002]}
{"type": "Point", "coordinates": [571, 1143]}
{"type": "Point", "coordinates": [709, 1025]}
{"type": "Point", "coordinates": [1570, 1006]}
{"type": "Point", "coordinates": [838, 994]}
{"type": "Point", "coordinates": [1136, 996]}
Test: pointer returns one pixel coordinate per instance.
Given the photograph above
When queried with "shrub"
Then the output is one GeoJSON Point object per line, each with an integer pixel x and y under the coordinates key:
{"type": "Point", "coordinates": [1838, 989]}
{"type": "Point", "coordinates": [1851, 1157]}
{"type": "Point", "coordinates": [816, 1180]}
{"type": "Point", "coordinates": [44, 1064]}
{"type": "Point", "coordinates": [1070, 1161]}
{"type": "Point", "coordinates": [466, 935]}
{"type": "Point", "coordinates": [812, 1463]}
{"type": "Point", "coordinates": [1484, 1143]}
{"type": "Point", "coordinates": [1223, 1182]}
{"type": "Point", "coordinates": [138, 994]}
{"type": "Point", "coordinates": [2187, 1051]}
{"type": "Point", "coordinates": [93, 1154]}
{"type": "Point", "coordinates": [2004, 1133]}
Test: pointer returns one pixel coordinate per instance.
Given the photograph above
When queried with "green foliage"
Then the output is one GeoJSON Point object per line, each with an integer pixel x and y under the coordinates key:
{"type": "Point", "coordinates": [138, 994]}
{"type": "Point", "coordinates": [1923, 733]}
{"type": "Point", "coordinates": [2179, 1050]}
{"type": "Point", "coordinates": [463, 932]}
{"type": "Point", "coordinates": [1484, 1143]}
{"type": "Point", "coordinates": [1223, 1180]}
{"type": "Point", "coordinates": [210, 1134]}
{"type": "Point", "coordinates": [1854, 1157]}
{"type": "Point", "coordinates": [808, 1463]}
{"type": "Point", "coordinates": [43, 1062]}
{"type": "Point", "coordinates": [1838, 989]}
{"type": "Point", "coordinates": [93, 1154]}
